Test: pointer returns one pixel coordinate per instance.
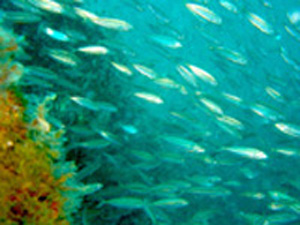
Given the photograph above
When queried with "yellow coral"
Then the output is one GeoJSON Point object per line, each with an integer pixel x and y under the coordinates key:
{"type": "Point", "coordinates": [29, 193]}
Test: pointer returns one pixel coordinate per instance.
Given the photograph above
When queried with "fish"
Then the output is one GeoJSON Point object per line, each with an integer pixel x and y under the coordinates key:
{"type": "Point", "coordinates": [253, 218]}
{"type": "Point", "coordinates": [142, 155]}
{"type": "Point", "coordinates": [183, 144]}
{"type": "Point", "coordinates": [124, 203]}
{"type": "Point", "coordinates": [163, 105]}
{"type": "Point", "coordinates": [56, 35]}
{"type": "Point", "coordinates": [267, 3]}
{"type": "Point", "coordinates": [149, 97]}
{"type": "Point", "coordinates": [64, 57]}
{"type": "Point", "coordinates": [288, 60]}
{"type": "Point", "coordinates": [187, 75]}
{"type": "Point", "coordinates": [233, 98]}
{"type": "Point", "coordinates": [293, 33]}
{"type": "Point", "coordinates": [90, 188]}
{"type": "Point", "coordinates": [180, 184]}
{"type": "Point", "coordinates": [88, 170]}
{"type": "Point", "coordinates": [166, 41]}
{"type": "Point", "coordinates": [93, 144]}
{"type": "Point", "coordinates": [204, 13]}
{"type": "Point", "coordinates": [203, 216]}
{"type": "Point", "coordinates": [230, 55]}
{"type": "Point", "coordinates": [273, 93]}
{"type": "Point", "coordinates": [275, 206]}
{"type": "Point", "coordinates": [254, 195]}
{"type": "Point", "coordinates": [158, 13]}
{"type": "Point", "coordinates": [113, 23]}
{"type": "Point", "coordinates": [266, 112]}
{"type": "Point", "coordinates": [248, 152]}
{"type": "Point", "coordinates": [122, 68]}
{"type": "Point", "coordinates": [145, 71]}
{"type": "Point", "coordinates": [211, 105]}
{"type": "Point", "coordinates": [129, 203]}
{"type": "Point", "coordinates": [287, 151]}
{"type": "Point", "coordinates": [109, 23]}
{"type": "Point", "coordinates": [48, 5]}
{"type": "Point", "coordinates": [260, 23]}
{"type": "Point", "coordinates": [110, 137]}
{"type": "Point", "coordinates": [167, 83]}
{"type": "Point", "coordinates": [19, 17]}
{"type": "Point", "coordinates": [94, 106]}
{"type": "Point", "coordinates": [93, 50]}
{"type": "Point", "coordinates": [171, 157]}
{"type": "Point", "coordinates": [203, 75]}
{"type": "Point", "coordinates": [280, 196]}
{"type": "Point", "coordinates": [231, 7]}
{"type": "Point", "coordinates": [40, 72]}
{"type": "Point", "coordinates": [138, 188]}
{"type": "Point", "coordinates": [130, 129]}
{"type": "Point", "coordinates": [206, 181]}
{"type": "Point", "coordinates": [289, 129]}
{"type": "Point", "coordinates": [86, 15]}
{"type": "Point", "coordinates": [163, 189]}
{"type": "Point", "coordinates": [209, 191]}
{"type": "Point", "coordinates": [171, 203]}
{"type": "Point", "coordinates": [294, 17]}
{"type": "Point", "coordinates": [283, 217]}
{"type": "Point", "coordinates": [228, 120]}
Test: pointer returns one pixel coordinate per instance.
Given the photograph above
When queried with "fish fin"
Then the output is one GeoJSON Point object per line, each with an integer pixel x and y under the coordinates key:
{"type": "Point", "coordinates": [150, 214]}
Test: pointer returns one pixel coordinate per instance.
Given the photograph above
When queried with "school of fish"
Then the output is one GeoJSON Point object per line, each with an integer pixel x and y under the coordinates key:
{"type": "Point", "coordinates": [187, 112]}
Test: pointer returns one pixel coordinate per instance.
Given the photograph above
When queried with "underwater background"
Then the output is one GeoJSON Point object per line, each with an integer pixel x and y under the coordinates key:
{"type": "Point", "coordinates": [172, 112]}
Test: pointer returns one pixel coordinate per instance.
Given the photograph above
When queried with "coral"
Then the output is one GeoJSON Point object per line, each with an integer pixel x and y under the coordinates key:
{"type": "Point", "coordinates": [30, 193]}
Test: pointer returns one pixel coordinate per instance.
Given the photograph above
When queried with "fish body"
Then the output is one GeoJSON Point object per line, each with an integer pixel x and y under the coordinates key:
{"type": "Point", "coordinates": [290, 129]}
{"type": "Point", "coordinates": [260, 24]}
{"type": "Point", "coordinates": [171, 203]}
{"type": "Point", "coordinates": [112, 23]}
{"type": "Point", "coordinates": [125, 203]}
{"type": "Point", "coordinates": [231, 55]}
{"type": "Point", "coordinates": [231, 7]}
{"type": "Point", "coordinates": [211, 106]}
{"type": "Point", "coordinates": [145, 71]}
{"type": "Point", "coordinates": [204, 13]}
{"type": "Point", "coordinates": [203, 75]}
{"type": "Point", "coordinates": [57, 35]}
{"type": "Point", "coordinates": [64, 57]}
{"type": "Point", "coordinates": [48, 5]}
{"type": "Point", "coordinates": [19, 17]}
{"type": "Point", "coordinates": [187, 75]}
{"type": "Point", "coordinates": [184, 144]}
{"type": "Point", "coordinates": [122, 68]}
{"type": "Point", "coordinates": [166, 41]}
{"type": "Point", "coordinates": [149, 97]}
{"type": "Point", "coordinates": [209, 191]}
{"type": "Point", "coordinates": [92, 105]}
{"type": "Point", "coordinates": [93, 50]}
{"type": "Point", "coordinates": [247, 152]}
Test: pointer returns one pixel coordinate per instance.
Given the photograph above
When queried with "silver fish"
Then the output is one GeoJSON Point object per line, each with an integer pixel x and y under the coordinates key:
{"type": "Point", "coordinates": [289, 129]}
{"type": "Point", "coordinates": [247, 152]}
{"type": "Point", "coordinates": [92, 105]}
{"type": "Point", "coordinates": [204, 13]}
{"type": "Point", "coordinates": [171, 203]}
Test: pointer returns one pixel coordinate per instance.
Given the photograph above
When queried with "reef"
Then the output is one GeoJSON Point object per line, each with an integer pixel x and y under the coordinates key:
{"type": "Point", "coordinates": [35, 185]}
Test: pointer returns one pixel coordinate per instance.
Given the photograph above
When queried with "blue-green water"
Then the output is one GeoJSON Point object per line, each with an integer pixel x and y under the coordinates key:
{"type": "Point", "coordinates": [186, 111]}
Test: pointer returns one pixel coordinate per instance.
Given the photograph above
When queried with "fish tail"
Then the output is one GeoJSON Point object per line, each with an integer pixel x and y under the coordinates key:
{"type": "Point", "coordinates": [150, 214]}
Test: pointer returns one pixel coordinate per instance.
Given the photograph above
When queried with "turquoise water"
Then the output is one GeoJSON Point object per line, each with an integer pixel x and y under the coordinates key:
{"type": "Point", "coordinates": [186, 111]}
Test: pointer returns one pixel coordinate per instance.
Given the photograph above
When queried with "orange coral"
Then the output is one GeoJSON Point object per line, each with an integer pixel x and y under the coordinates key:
{"type": "Point", "coordinates": [29, 193]}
